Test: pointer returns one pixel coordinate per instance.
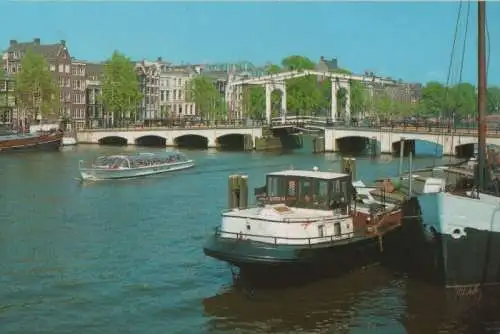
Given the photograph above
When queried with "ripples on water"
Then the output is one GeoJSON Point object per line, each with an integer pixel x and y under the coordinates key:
{"type": "Point", "coordinates": [126, 257]}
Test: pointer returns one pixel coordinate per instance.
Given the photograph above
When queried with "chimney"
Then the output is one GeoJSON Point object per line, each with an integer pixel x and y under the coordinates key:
{"type": "Point", "coordinates": [36, 40]}
{"type": "Point", "coordinates": [63, 42]}
{"type": "Point", "coordinates": [159, 59]}
{"type": "Point", "coordinates": [13, 42]}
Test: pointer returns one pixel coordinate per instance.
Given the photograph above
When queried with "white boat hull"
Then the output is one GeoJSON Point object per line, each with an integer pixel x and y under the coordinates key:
{"type": "Point", "coordinates": [464, 236]}
{"type": "Point", "coordinates": [68, 141]}
{"type": "Point", "coordinates": [96, 174]}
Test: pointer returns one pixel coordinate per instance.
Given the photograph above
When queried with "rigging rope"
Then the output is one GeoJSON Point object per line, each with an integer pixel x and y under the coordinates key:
{"type": "Point", "coordinates": [448, 77]}
{"type": "Point", "coordinates": [455, 71]}
{"type": "Point", "coordinates": [464, 46]}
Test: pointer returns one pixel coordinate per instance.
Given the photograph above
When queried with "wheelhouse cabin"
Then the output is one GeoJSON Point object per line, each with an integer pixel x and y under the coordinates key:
{"type": "Point", "coordinates": [308, 190]}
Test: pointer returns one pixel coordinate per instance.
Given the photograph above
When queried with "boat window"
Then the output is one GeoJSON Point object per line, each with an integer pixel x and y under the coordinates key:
{"type": "Point", "coordinates": [292, 188]}
{"type": "Point", "coordinates": [273, 186]}
{"type": "Point", "coordinates": [337, 230]}
{"type": "Point", "coordinates": [305, 191]}
{"type": "Point", "coordinates": [335, 186]}
{"type": "Point", "coordinates": [321, 231]}
{"type": "Point", "coordinates": [321, 190]}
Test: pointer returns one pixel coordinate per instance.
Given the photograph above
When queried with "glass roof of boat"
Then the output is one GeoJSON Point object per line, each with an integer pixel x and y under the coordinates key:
{"type": "Point", "coordinates": [143, 156]}
{"type": "Point", "coordinates": [310, 174]}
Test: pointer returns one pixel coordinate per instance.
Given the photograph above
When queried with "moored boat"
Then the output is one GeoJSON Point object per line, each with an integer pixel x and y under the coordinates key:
{"type": "Point", "coordinates": [461, 223]}
{"type": "Point", "coordinates": [308, 225]}
{"type": "Point", "coordinates": [133, 165]}
{"type": "Point", "coordinates": [42, 141]}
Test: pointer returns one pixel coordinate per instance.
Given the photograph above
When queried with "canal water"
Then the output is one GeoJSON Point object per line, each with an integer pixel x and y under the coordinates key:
{"type": "Point", "coordinates": [126, 257]}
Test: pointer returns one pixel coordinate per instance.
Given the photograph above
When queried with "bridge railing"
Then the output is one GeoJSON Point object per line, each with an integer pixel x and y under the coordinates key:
{"type": "Point", "coordinates": [297, 121]}
{"type": "Point", "coordinates": [309, 122]}
{"type": "Point", "coordinates": [176, 124]}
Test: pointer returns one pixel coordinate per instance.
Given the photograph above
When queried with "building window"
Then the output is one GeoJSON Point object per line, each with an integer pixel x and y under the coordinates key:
{"type": "Point", "coordinates": [61, 68]}
{"type": "Point", "coordinates": [52, 67]}
{"type": "Point", "coordinates": [66, 67]}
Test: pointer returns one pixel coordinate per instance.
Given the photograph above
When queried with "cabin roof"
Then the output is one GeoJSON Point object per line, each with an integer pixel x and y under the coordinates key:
{"type": "Point", "coordinates": [142, 156]}
{"type": "Point", "coordinates": [309, 173]}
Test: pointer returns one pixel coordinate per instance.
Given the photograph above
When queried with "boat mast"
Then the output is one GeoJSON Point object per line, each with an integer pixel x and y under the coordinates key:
{"type": "Point", "coordinates": [481, 99]}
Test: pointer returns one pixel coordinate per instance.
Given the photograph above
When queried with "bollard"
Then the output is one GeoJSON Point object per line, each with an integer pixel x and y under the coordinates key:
{"type": "Point", "coordinates": [233, 191]}
{"type": "Point", "coordinates": [243, 192]}
{"type": "Point", "coordinates": [348, 166]}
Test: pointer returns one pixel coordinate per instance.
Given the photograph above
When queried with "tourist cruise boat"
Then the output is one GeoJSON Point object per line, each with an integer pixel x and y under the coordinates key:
{"type": "Point", "coordinates": [133, 165]}
{"type": "Point", "coordinates": [307, 224]}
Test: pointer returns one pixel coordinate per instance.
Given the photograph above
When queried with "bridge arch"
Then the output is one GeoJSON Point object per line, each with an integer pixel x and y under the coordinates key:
{"type": "Point", "coordinates": [465, 150]}
{"type": "Point", "coordinates": [358, 145]}
{"type": "Point", "coordinates": [191, 141]}
{"type": "Point", "coordinates": [235, 142]}
{"type": "Point", "coordinates": [151, 140]}
{"type": "Point", "coordinates": [113, 141]}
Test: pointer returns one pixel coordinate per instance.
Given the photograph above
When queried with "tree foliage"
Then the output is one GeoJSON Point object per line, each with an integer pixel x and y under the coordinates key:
{"type": "Point", "coordinates": [494, 100]}
{"type": "Point", "coordinates": [311, 94]}
{"type": "Point", "coordinates": [210, 103]}
{"type": "Point", "coordinates": [120, 86]}
{"type": "Point", "coordinates": [37, 93]}
{"type": "Point", "coordinates": [461, 100]}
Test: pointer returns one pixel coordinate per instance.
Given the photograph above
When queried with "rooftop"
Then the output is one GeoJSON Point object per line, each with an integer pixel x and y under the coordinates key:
{"type": "Point", "coordinates": [50, 51]}
{"type": "Point", "coordinates": [309, 173]}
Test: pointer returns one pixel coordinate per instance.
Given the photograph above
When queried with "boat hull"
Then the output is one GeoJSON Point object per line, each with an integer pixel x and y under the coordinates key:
{"type": "Point", "coordinates": [461, 237]}
{"type": "Point", "coordinates": [50, 142]}
{"type": "Point", "coordinates": [269, 264]}
{"type": "Point", "coordinates": [99, 174]}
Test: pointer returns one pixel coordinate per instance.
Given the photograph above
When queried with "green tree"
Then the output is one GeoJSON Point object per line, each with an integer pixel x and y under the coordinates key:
{"type": "Point", "coordinates": [384, 106]}
{"type": "Point", "coordinates": [254, 101]}
{"type": "Point", "coordinates": [494, 100]}
{"type": "Point", "coordinates": [461, 99]}
{"type": "Point", "coordinates": [120, 87]}
{"type": "Point", "coordinates": [303, 94]}
{"type": "Point", "coordinates": [273, 69]}
{"type": "Point", "coordinates": [36, 91]}
{"type": "Point", "coordinates": [209, 102]}
{"type": "Point", "coordinates": [432, 100]}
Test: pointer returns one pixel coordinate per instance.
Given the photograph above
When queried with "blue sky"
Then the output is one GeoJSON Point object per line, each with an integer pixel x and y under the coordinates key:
{"type": "Point", "coordinates": [403, 40]}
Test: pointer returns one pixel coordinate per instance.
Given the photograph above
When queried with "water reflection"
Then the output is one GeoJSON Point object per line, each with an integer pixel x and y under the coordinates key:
{"type": "Point", "coordinates": [359, 300]}
{"type": "Point", "coordinates": [371, 300]}
{"type": "Point", "coordinates": [436, 310]}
